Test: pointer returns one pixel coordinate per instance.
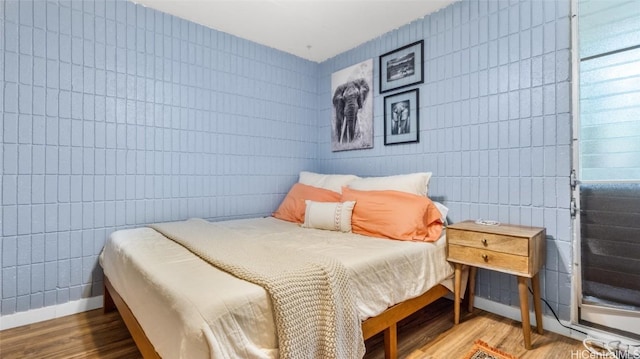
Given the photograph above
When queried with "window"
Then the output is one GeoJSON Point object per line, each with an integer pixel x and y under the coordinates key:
{"type": "Point", "coordinates": [609, 35]}
{"type": "Point", "coordinates": [609, 162]}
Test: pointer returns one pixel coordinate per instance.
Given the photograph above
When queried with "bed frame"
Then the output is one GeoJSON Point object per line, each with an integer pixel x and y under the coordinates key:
{"type": "Point", "coordinates": [387, 321]}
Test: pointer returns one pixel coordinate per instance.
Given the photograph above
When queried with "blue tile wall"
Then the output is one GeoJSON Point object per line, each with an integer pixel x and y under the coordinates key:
{"type": "Point", "coordinates": [115, 115]}
{"type": "Point", "coordinates": [495, 127]}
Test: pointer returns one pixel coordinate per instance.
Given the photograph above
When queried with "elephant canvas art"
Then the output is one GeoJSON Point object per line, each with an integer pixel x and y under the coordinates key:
{"type": "Point", "coordinates": [347, 102]}
{"type": "Point", "coordinates": [352, 115]}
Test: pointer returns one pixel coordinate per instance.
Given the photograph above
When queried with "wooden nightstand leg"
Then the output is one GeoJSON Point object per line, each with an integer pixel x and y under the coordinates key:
{"type": "Point", "coordinates": [535, 282]}
{"type": "Point", "coordinates": [472, 287]}
{"type": "Point", "coordinates": [456, 293]}
{"type": "Point", "coordinates": [524, 310]}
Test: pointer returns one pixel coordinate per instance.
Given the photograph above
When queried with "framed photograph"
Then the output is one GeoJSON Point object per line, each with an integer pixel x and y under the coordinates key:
{"type": "Point", "coordinates": [402, 117]}
{"type": "Point", "coordinates": [352, 115]}
{"type": "Point", "coordinates": [402, 67]}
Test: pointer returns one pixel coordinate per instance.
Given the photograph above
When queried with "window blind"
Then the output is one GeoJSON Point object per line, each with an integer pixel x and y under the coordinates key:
{"type": "Point", "coordinates": [610, 228]}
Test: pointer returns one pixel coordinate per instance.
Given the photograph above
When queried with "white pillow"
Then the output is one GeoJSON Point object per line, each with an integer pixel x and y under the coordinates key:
{"type": "Point", "coordinates": [333, 216]}
{"type": "Point", "coordinates": [443, 211]}
{"type": "Point", "coordinates": [415, 183]}
{"type": "Point", "coordinates": [330, 182]}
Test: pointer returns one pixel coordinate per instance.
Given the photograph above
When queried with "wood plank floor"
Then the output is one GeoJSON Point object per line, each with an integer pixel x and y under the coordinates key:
{"type": "Point", "coordinates": [428, 334]}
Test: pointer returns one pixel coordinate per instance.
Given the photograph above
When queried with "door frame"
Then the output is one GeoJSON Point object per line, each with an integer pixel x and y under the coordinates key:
{"type": "Point", "coordinates": [576, 278]}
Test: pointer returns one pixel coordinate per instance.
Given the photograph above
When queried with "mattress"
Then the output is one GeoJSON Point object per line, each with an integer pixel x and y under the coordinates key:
{"type": "Point", "coordinates": [190, 309]}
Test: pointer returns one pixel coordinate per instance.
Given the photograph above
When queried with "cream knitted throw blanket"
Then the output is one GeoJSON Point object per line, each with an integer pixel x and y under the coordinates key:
{"type": "Point", "coordinates": [314, 309]}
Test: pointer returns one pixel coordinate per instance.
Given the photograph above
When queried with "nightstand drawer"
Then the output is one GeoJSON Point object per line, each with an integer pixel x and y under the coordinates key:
{"type": "Point", "coordinates": [488, 259]}
{"type": "Point", "coordinates": [493, 242]}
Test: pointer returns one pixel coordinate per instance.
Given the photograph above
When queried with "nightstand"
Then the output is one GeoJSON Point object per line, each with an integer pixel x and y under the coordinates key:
{"type": "Point", "coordinates": [504, 248]}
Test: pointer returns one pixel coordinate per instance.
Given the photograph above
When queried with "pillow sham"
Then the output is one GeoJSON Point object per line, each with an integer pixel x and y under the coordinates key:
{"type": "Point", "coordinates": [330, 182]}
{"type": "Point", "coordinates": [394, 214]}
{"type": "Point", "coordinates": [333, 216]}
{"type": "Point", "coordinates": [293, 206]}
{"type": "Point", "coordinates": [416, 183]}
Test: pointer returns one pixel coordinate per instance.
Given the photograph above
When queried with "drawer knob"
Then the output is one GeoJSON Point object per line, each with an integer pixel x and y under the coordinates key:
{"type": "Point", "coordinates": [485, 257]}
{"type": "Point", "coordinates": [484, 242]}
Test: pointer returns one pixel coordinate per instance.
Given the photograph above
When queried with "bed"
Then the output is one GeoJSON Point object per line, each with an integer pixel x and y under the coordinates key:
{"type": "Point", "coordinates": [177, 305]}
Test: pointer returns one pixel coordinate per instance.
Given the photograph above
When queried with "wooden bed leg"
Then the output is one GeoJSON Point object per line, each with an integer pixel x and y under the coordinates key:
{"type": "Point", "coordinates": [137, 333]}
{"type": "Point", "coordinates": [107, 301]}
{"type": "Point", "coordinates": [387, 321]}
{"type": "Point", "coordinates": [391, 342]}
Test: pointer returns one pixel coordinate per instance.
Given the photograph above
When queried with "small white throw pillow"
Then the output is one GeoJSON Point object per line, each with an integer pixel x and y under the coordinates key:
{"type": "Point", "coordinates": [333, 216]}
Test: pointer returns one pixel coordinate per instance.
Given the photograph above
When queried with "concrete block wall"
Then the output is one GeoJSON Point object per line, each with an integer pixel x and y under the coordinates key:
{"type": "Point", "coordinates": [495, 124]}
{"type": "Point", "coordinates": [115, 115]}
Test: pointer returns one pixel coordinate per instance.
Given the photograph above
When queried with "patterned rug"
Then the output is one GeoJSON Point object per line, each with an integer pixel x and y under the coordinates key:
{"type": "Point", "coordinates": [482, 350]}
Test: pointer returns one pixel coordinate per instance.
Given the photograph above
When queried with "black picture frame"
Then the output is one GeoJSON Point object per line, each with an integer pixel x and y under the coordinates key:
{"type": "Point", "coordinates": [402, 117]}
{"type": "Point", "coordinates": [402, 67]}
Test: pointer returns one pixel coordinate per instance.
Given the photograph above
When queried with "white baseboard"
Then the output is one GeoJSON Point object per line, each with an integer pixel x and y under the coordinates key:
{"type": "Point", "coordinates": [549, 323]}
{"type": "Point", "coordinates": [51, 312]}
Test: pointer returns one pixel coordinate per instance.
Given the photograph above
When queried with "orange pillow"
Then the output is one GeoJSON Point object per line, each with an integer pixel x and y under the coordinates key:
{"type": "Point", "coordinates": [293, 206]}
{"type": "Point", "coordinates": [394, 214]}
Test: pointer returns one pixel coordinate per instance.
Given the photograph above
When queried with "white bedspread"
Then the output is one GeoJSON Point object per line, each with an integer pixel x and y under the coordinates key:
{"type": "Point", "coordinates": [190, 309]}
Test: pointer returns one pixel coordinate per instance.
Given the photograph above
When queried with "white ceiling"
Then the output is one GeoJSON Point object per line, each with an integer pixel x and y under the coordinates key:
{"type": "Point", "coordinates": [312, 29]}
